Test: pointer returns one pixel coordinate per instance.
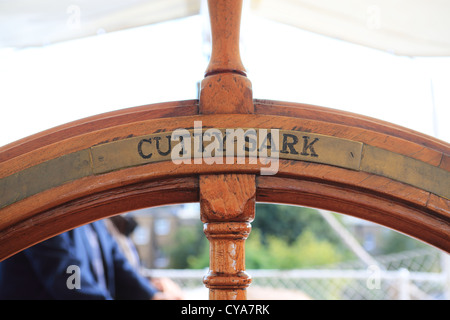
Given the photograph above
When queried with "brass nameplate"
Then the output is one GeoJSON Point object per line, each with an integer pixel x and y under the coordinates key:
{"type": "Point", "coordinates": [405, 169]}
{"type": "Point", "coordinates": [292, 145]}
{"type": "Point", "coordinates": [206, 144]}
{"type": "Point", "coordinates": [46, 175]}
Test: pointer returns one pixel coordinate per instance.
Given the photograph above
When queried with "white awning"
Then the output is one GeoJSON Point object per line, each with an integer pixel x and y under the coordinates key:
{"type": "Point", "coordinates": [402, 27]}
{"type": "Point", "coordinates": [28, 23]}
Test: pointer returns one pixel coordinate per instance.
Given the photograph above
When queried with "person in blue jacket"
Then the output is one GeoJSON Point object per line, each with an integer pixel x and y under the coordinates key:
{"type": "Point", "coordinates": [83, 263]}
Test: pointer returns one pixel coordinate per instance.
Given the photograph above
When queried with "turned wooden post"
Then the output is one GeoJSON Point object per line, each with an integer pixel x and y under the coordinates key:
{"type": "Point", "coordinates": [227, 201]}
{"type": "Point", "coordinates": [225, 88]}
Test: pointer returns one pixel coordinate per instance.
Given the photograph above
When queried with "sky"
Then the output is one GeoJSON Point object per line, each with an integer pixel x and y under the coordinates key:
{"type": "Point", "coordinates": [47, 86]}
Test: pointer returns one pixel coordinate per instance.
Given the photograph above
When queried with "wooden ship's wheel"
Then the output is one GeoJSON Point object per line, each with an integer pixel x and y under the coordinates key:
{"type": "Point", "coordinates": [120, 161]}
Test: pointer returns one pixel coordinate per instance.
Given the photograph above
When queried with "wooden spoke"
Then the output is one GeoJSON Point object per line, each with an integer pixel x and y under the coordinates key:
{"type": "Point", "coordinates": [121, 161]}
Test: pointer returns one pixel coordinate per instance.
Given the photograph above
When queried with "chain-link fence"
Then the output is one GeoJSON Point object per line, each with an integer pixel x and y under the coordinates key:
{"type": "Point", "coordinates": [419, 274]}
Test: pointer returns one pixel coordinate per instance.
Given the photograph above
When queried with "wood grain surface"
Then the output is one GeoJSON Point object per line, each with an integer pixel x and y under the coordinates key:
{"type": "Point", "coordinates": [101, 166]}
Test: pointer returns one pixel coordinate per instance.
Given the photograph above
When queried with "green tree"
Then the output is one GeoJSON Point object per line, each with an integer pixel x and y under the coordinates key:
{"type": "Point", "coordinates": [288, 222]}
{"type": "Point", "coordinates": [305, 252]}
{"type": "Point", "coordinates": [393, 241]}
{"type": "Point", "coordinates": [189, 242]}
{"type": "Point", "coordinates": [282, 237]}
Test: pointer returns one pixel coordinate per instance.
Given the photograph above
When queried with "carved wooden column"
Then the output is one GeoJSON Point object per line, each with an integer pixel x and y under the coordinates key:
{"type": "Point", "coordinates": [227, 201]}
{"type": "Point", "coordinates": [225, 88]}
{"type": "Point", "coordinates": [227, 204]}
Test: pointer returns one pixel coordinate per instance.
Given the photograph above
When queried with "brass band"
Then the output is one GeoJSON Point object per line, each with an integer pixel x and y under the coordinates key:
{"type": "Point", "coordinates": [290, 145]}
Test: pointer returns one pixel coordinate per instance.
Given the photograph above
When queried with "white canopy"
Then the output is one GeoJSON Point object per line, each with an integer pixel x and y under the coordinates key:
{"type": "Point", "coordinates": [402, 27]}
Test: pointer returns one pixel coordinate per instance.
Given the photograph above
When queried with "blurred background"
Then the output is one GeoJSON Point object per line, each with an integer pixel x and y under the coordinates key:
{"type": "Point", "coordinates": [297, 253]}
{"type": "Point", "coordinates": [65, 60]}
